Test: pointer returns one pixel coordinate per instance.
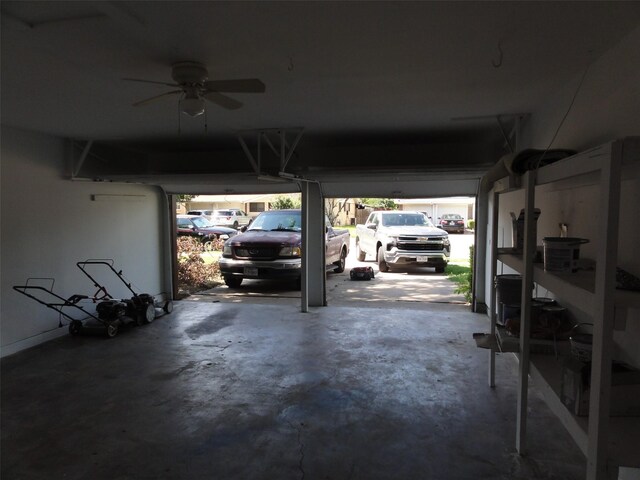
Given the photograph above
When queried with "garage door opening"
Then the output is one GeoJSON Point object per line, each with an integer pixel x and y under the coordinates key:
{"type": "Point", "coordinates": [200, 275]}
{"type": "Point", "coordinates": [419, 250]}
{"type": "Point", "coordinates": [205, 222]}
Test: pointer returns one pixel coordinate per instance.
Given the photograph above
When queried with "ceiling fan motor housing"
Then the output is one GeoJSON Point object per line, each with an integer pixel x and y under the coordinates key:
{"type": "Point", "coordinates": [189, 73]}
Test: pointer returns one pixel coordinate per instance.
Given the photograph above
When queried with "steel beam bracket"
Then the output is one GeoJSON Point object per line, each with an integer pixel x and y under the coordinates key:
{"type": "Point", "coordinates": [276, 140]}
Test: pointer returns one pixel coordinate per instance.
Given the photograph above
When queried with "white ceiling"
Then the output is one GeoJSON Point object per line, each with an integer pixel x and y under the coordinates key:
{"type": "Point", "coordinates": [364, 70]}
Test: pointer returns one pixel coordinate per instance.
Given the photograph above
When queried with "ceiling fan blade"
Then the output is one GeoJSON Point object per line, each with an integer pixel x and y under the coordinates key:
{"type": "Point", "coordinates": [222, 100]}
{"type": "Point", "coordinates": [147, 101]}
{"type": "Point", "coordinates": [239, 85]}
{"type": "Point", "coordinates": [150, 81]}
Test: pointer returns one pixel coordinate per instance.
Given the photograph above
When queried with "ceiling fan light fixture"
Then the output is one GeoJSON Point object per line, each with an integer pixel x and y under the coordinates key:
{"type": "Point", "coordinates": [192, 106]}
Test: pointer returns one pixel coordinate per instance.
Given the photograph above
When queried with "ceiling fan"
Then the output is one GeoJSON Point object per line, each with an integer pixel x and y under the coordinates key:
{"type": "Point", "coordinates": [194, 87]}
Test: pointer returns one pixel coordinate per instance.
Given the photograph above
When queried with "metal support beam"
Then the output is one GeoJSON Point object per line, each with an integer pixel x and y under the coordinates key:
{"type": "Point", "coordinates": [493, 307]}
{"type": "Point", "coordinates": [247, 152]}
{"type": "Point", "coordinates": [279, 147]}
{"type": "Point", "coordinates": [313, 247]}
{"type": "Point", "coordinates": [81, 160]}
{"type": "Point", "coordinates": [525, 311]}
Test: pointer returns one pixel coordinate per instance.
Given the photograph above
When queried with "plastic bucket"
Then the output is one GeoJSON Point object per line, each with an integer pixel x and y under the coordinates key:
{"type": "Point", "coordinates": [509, 288]}
{"type": "Point", "coordinates": [561, 254]}
{"type": "Point", "coordinates": [509, 311]}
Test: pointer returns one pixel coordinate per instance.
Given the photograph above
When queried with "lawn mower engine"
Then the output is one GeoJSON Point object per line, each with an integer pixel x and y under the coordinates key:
{"type": "Point", "coordinates": [143, 308]}
{"type": "Point", "coordinates": [111, 310]}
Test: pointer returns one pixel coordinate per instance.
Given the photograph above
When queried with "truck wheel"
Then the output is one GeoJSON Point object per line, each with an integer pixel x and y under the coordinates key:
{"type": "Point", "coordinates": [382, 265]}
{"type": "Point", "coordinates": [235, 224]}
{"type": "Point", "coordinates": [233, 282]}
{"type": "Point", "coordinates": [361, 255]}
{"type": "Point", "coordinates": [440, 269]}
{"type": "Point", "coordinates": [341, 263]}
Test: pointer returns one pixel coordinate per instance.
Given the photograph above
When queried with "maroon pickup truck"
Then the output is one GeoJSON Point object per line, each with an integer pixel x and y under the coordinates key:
{"type": "Point", "coordinates": [270, 248]}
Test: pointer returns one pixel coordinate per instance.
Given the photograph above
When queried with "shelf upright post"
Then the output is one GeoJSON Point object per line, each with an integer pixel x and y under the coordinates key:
{"type": "Point", "coordinates": [600, 395]}
{"type": "Point", "coordinates": [525, 308]}
{"type": "Point", "coordinates": [493, 297]}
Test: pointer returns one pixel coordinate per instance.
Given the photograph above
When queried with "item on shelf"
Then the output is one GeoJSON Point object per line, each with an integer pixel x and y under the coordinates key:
{"type": "Point", "coordinates": [531, 159]}
{"type": "Point", "coordinates": [545, 301]}
{"type": "Point", "coordinates": [625, 388]}
{"type": "Point", "coordinates": [509, 311]}
{"type": "Point", "coordinates": [509, 288]}
{"type": "Point", "coordinates": [508, 291]}
{"type": "Point", "coordinates": [548, 322]}
{"type": "Point", "coordinates": [508, 342]}
{"type": "Point", "coordinates": [554, 318]}
{"type": "Point", "coordinates": [517, 229]}
{"type": "Point", "coordinates": [561, 254]}
{"type": "Point", "coordinates": [581, 342]}
{"type": "Point", "coordinates": [627, 281]}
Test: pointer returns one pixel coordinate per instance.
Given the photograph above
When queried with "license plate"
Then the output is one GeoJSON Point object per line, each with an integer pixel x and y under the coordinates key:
{"type": "Point", "coordinates": [251, 271]}
{"type": "Point", "coordinates": [422, 259]}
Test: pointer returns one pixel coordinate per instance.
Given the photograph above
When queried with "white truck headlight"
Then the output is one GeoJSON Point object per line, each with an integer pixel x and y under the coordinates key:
{"type": "Point", "coordinates": [226, 250]}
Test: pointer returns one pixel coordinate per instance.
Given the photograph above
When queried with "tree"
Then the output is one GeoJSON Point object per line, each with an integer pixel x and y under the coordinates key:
{"type": "Point", "coordinates": [281, 203]}
{"type": "Point", "coordinates": [183, 198]}
{"type": "Point", "coordinates": [333, 207]}
{"type": "Point", "coordinates": [380, 203]}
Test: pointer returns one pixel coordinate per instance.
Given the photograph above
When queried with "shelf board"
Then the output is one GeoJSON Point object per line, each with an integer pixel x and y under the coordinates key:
{"type": "Point", "coordinates": [578, 288]}
{"type": "Point", "coordinates": [624, 433]}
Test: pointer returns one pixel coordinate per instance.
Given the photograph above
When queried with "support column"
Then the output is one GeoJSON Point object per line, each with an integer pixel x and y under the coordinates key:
{"type": "Point", "coordinates": [313, 247]}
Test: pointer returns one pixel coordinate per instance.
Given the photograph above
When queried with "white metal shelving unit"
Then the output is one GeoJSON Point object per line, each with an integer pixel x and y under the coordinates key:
{"type": "Point", "coordinates": [608, 442]}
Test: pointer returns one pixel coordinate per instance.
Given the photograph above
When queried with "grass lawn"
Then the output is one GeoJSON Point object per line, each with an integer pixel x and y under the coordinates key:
{"type": "Point", "coordinates": [460, 273]}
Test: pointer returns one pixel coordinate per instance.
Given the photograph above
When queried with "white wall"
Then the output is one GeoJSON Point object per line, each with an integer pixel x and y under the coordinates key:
{"type": "Point", "coordinates": [49, 223]}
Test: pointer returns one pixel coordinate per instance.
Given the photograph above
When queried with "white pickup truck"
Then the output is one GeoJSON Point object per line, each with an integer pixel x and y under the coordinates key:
{"type": "Point", "coordinates": [402, 239]}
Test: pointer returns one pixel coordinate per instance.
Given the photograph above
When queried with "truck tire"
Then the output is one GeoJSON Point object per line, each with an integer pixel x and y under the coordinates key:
{"type": "Point", "coordinates": [233, 282]}
{"type": "Point", "coordinates": [440, 269]}
{"type": "Point", "coordinates": [361, 255]}
{"type": "Point", "coordinates": [382, 265]}
{"type": "Point", "coordinates": [341, 263]}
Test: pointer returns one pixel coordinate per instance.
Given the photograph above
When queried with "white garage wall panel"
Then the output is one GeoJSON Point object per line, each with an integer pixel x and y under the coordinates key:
{"type": "Point", "coordinates": [49, 223]}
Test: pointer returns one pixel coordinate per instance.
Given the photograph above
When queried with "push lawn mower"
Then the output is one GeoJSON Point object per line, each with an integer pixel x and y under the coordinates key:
{"type": "Point", "coordinates": [107, 322]}
{"type": "Point", "coordinates": [141, 306]}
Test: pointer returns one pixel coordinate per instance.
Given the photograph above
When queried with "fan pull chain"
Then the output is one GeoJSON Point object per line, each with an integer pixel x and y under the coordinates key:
{"type": "Point", "coordinates": [179, 123]}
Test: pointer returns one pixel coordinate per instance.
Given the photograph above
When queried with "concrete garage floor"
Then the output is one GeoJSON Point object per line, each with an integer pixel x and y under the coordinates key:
{"type": "Point", "coordinates": [230, 391]}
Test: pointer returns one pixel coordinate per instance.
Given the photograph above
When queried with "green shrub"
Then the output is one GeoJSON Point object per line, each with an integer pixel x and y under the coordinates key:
{"type": "Point", "coordinates": [471, 224]}
{"type": "Point", "coordinates": [463, 277]}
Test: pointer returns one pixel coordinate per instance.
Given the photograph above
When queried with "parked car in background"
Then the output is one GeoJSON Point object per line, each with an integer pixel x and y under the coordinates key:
{"type": "Point", "coordinates": [199, 227]}
{"type": "Point", "coordinates": [203, 213]}
{"type": "Point", "coordinates": [232, 217]}
{"type": "Point", "coordinates": [452, 223]}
